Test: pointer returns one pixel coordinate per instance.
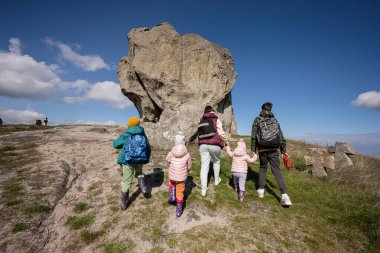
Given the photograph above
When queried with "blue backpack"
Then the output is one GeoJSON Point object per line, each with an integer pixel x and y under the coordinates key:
{"type": "Point", "coordinates": [136, 150]}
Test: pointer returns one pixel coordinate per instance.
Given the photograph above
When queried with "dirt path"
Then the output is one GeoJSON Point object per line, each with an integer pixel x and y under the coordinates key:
{"type": "Point", "coordinates": [76, 165]}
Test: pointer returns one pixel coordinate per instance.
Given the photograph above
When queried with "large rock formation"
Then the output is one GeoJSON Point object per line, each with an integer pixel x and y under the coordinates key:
{"type": "Point", "coordinates": [171, 78]}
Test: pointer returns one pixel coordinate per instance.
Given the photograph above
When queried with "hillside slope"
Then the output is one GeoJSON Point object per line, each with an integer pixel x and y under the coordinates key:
{"type": "Point", "coordinates": [60, 192]}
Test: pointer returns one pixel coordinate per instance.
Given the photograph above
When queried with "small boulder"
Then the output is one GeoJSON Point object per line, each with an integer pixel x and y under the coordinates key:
{"type": "Point", "coordinates": [318, 172]}
{"type": "Point", "coordinates": [344, 147]}
{"type": "Point", "coordinates": [342, 160]}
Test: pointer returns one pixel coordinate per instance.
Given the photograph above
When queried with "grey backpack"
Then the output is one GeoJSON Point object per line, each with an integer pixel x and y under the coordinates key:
{"type": "Point", "coordinates": [268, 134]}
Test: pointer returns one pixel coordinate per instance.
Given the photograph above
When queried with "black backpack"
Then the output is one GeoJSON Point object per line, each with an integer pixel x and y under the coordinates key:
{"type": "Point", "coordinates": [268, 134]}
{"type": "Point", "coordinates": [206, 128]}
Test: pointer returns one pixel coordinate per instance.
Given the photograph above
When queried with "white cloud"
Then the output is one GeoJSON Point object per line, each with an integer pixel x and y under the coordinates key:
{"type": "Point", "coordinates": [11, 116]}
{"type": "Point", "coordinates": [370, 99]}
{"type": "Point", "coordinates": [24, 77]}
{"type": "Point", "coordinates": [107, 92]}
{"type": "Point", "coordinates": [15, 46]}
{"type": "Point", "coordinates": [84, 62]}
{"type": "Point", "coordinates": [90, 122]}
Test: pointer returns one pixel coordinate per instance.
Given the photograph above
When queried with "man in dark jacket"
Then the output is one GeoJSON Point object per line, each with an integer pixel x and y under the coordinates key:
{"type": "Point", "coordinates": [268, 140]}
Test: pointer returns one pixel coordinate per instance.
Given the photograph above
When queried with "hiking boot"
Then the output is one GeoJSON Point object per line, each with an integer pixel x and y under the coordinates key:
{"type": "Point", "coordinates": [142, 184]}
{"type": "Point", "coordinates": [124, 196]}
{"type": "Point", "coordinates": [241, 196]}
{"type": "Point", "coordinates": [204, 191]}
{"type": "Point", "coordinates": [285, 200]}
{"type": "Point", "coordinates": [179, 209]}
{"type": "Point", "coordinates": [218, 181]}
{"type": "Point", "coordinates": [171, 198]}
{"type": "Point", "coordinates": [260, 192]}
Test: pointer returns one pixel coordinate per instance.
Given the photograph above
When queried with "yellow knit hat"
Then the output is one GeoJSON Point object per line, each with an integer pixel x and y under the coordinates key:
{"type": "Point", "coordinates": [133, 121]}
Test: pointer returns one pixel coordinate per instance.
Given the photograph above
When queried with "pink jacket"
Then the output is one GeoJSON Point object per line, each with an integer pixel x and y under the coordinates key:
{"type": "Point", "coordinates": [180, 163]}
{"type": "Point", "coordinates": [240, 158]}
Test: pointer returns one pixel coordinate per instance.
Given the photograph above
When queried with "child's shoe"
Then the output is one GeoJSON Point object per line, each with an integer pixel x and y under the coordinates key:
{"type": "Point", "coordinates": [217, 181]}
{"type": "Point", "coordinates": [285, 200]}
{"type": "Point", "coordinates": [260, 192]}
{"type": "Point", "coordinates": [241, 196]}
{"type": "Point", "coordinates": [203, 192]}
{"type": "Point", "coordinates": [179, 209]}
{"type": "Point", "coordinates": [124, 196]}
{"type": "Point", "coordinates": [171, 198]}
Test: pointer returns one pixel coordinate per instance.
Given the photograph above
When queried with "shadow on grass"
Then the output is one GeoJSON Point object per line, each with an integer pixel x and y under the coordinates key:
{"type": "Point", "coordinates": [254, 176]}
{"type": "Point", "coordinates": [154, 179]}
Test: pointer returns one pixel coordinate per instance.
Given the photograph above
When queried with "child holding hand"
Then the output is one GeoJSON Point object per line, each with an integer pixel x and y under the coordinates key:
{"type": "Point", "coordinates": [240, 160]}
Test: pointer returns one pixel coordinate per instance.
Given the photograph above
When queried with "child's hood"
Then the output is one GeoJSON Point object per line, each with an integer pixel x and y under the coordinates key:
{"type": "Point", "coordinates": [135, 130]}
{"type": "Point", "coordinates": [179, 150]}
{"type": "Point", "coordinates": [241, 149]}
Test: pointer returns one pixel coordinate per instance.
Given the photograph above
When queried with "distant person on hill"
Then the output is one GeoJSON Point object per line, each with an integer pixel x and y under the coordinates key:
{"type": "Point", "coordinates": [46, 121]}
{"type": "Point", "coordinates": [268, 140]}
{"type": "Point", "coordinates": [1, 121]}
{"type": "Point", "coordinates": [135, 151]}
{"type": "Point", "coordinates": [179, 166]}
{"type": "Point", "coordinates": [240, 160]}
{"type": "Point", "coordinates": [211, 139]}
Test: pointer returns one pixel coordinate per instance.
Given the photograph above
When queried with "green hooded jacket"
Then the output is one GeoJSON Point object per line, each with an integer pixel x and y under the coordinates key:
{"type": "Point", "coordinates": [123, 139]}
{"type": "Point", "coordinates": [254, 145]}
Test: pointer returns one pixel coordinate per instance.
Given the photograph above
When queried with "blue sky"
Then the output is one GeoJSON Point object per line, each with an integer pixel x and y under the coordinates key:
{"type": "Point", "coordinates": [312, 59]}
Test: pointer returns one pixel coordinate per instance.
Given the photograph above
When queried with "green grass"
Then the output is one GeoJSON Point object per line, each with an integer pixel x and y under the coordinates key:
{"type": "Point", "coordinates": [156, 250]}
{"type": "Point", "coordinates": [7, 129]}
{"type": "Point", "coordinates": [325, 216]}
{"type": "Point", "coordinates": [14, 202]}
{"type": "Point", "coordinates": [81, 207]}
{"type": "Point", "coordinates": [77, 222]}
{"type": "Point", "coordinates": [36, 209]}
{"type": "Point", "coordinates": [13, 188]}
{"type": "Point", "coordinates": [19, 227]}
{"type": "Point", "coordinates": [9, 148]}
{"type": "Point", "coordinates": [89, 236]}
{"type": "Point", "coordinates": [118, 246]}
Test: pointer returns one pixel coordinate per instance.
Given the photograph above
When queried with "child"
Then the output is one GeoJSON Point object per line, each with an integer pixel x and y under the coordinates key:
{"type": "Point", "coordinates": [179, 166]}
{"type": "Point", "coordinates": [240, 160]}
{"type": "Point", "coordinates": [131, 168]}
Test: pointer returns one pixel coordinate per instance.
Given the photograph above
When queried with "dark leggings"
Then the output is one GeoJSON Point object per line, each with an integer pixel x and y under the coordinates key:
{"type": "Point", "coordinates": [273, 157]}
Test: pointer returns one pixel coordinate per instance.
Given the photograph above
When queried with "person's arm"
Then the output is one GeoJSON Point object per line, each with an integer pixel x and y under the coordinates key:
{"type": "Point", "coordinates": [119, 142]}
{"type": "Point", "coordinates": [169, 157]}
{"type": "Point", "coordinates": [219, 129]}
{"type": "Point", "coordinates": [229, 152]}
{"type": "Point", "coordinates": [189, 163]}
{"type": "Point", "coordinates": [283, 141]}
{"type": "Point", "coordinates": [254, 135]}
{"type": "Point", "coordinates": [252, 159]}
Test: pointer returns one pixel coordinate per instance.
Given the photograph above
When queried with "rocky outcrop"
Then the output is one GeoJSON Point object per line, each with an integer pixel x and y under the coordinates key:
{"type": "Point", "coordinates": [321, 161]}
{"type": "Point", "coordinates": [171, 78]}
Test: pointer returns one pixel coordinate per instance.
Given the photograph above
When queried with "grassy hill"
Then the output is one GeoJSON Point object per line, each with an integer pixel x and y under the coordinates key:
{"type": "Point", "coordinates": [337, 214]}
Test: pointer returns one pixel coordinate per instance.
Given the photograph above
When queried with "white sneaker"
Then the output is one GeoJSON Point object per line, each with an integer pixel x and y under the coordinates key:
{"type": "Point", "coordinates": [285, 200]}
{"type": "Point", "coordinates": [218, 181]}
{"type": "Point", "coordinates": [261, 193]}
{"type": "Point", "coordinates": [204, 191]}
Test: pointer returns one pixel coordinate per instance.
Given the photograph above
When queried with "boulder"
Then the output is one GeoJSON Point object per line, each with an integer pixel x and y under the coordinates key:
{"type": "Point", "coordinates": [318, 172]}
{"type": "Point", "coordinates": [342, 160]}
{"type": "Point", "coordinates": [171, 78]}
{"type": "Point", "coordinates": [344, 147]}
